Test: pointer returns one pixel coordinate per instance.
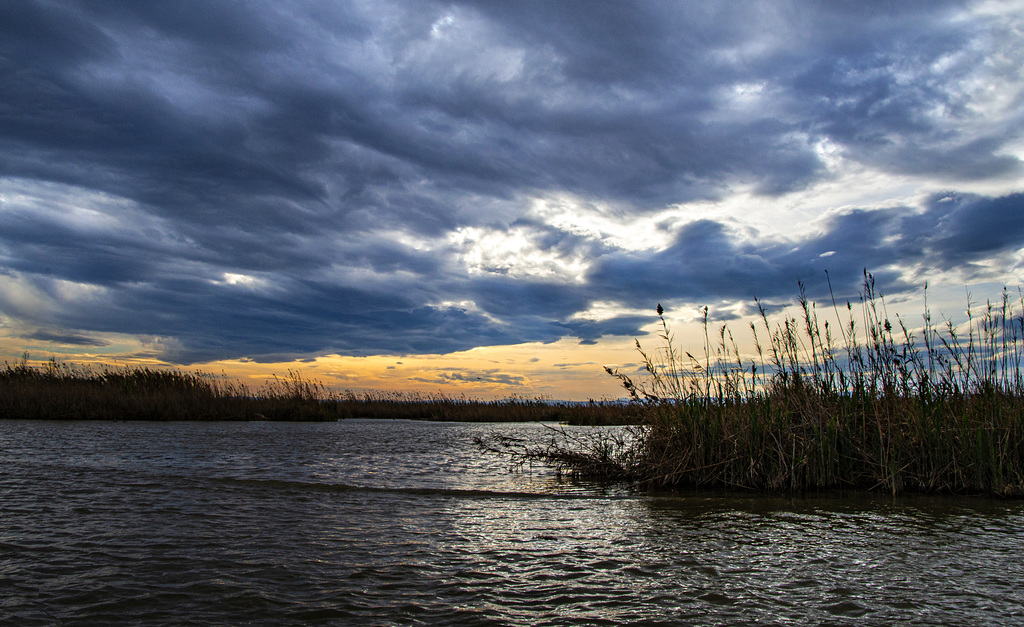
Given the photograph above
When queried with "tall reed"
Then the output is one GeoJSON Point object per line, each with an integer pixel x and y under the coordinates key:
{"type": "Point", "coordinates": [861, 401]}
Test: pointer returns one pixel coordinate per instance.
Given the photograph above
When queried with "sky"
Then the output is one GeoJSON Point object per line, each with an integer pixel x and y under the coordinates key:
{"type": "Point", "coordinates": [489, 198]}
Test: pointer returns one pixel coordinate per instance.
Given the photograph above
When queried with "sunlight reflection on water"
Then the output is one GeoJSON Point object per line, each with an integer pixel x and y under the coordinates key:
{"type": "Point", "coordinates": [408, 523]}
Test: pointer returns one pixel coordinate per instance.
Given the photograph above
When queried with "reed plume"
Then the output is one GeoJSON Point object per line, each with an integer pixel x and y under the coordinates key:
{"type": "Point", "coordinates": [861, 401]}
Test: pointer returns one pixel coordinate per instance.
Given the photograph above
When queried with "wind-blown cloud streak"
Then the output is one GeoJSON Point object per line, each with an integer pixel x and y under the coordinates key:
{"type": "Point", "coordinates": [276, 180]}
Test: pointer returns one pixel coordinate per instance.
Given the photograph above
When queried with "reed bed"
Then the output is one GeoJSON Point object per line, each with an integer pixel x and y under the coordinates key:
{"type": "Point", "coordinates": [56, 391]}
{"type": "Point", "coordinates": [61, 391]}
{"type": "Point", "coordinates": [441, 407]}
{"type": "Point", "coordinates": [861, 402]}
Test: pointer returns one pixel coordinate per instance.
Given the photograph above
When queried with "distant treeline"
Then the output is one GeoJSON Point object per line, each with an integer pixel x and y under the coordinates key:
{"type": "Point", "coordinates": [61, 391]}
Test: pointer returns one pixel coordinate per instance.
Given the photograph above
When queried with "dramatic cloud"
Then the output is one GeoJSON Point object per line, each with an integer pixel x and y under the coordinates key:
{"type": "Point", "coordinates": [707, 262]}
{"type": "Point", "coordinates": [279, 180]}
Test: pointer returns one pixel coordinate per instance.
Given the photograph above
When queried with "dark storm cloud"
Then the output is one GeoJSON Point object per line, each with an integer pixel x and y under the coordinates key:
{"type": "Point", "coordinates": [961, 229]}
{"type": "Point", "coordinates": [709, 263]}
{"type": "Point", "coordinates": [279, 179]}
{"type": "Point", "coordinates": [72, 339]}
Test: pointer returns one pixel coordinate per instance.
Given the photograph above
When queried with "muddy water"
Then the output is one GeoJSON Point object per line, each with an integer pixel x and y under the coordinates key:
{"type": "Point", "coordinates": [403, 523]}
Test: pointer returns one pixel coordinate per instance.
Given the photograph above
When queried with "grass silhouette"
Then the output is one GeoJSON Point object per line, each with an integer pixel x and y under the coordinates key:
{"type": "Point", "coordinates": [56, 391]}
{"type": "Point", "coordinates": [861, 402]}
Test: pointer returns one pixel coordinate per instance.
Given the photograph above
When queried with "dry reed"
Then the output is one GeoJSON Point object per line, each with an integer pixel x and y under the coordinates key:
{"type": "Point", "coordinates": [863, 403]}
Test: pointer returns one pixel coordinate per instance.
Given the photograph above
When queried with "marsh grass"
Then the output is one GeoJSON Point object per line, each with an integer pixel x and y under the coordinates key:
{"type": "Point", "coordinates": [56, 390]}
{"type": "Point", "coordinates": [442, 407]}
{"type": "Point", "coordinates": [601, 455]}
{"type": "Point", "coordinates": [859, 402]}
{"type": "Point", "coordinates": [60, 391]}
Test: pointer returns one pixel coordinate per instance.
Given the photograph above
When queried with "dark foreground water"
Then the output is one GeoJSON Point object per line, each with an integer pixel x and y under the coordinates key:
{"type": "Point", "coordinates": [382, 523]}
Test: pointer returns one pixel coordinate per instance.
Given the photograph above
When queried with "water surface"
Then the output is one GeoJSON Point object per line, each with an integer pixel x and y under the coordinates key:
{"type": "Point", "coordinates": [407, 523]}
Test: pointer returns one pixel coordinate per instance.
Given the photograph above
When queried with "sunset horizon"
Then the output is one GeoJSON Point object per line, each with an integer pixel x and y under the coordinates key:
{"type": "Point", "coordinates": [476, 199]}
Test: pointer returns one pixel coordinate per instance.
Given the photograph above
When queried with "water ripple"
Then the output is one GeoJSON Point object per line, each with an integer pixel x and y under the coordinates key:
{"type": "Point", "coordinates": [176, 524]}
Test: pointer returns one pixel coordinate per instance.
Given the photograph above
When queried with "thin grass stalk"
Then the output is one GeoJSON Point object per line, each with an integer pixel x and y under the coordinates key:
{"type": "Point", "coordinates": [928, 410]}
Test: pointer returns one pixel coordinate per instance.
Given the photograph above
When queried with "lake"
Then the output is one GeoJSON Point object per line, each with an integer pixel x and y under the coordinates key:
{"type": "Point", "coordinates": [407, 523]}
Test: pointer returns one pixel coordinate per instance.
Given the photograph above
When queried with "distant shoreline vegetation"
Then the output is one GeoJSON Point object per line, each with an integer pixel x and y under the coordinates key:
{"type": "Point", "coordinates": [61, 391]}
{"type": "Point", "coordinates": [865, 404]}
{"type": "Point", "coordinates": [861, 403]}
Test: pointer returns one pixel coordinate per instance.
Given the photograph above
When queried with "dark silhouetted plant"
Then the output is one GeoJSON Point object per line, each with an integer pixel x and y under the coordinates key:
{"type": "Point", "coordinates": [863, 402]}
